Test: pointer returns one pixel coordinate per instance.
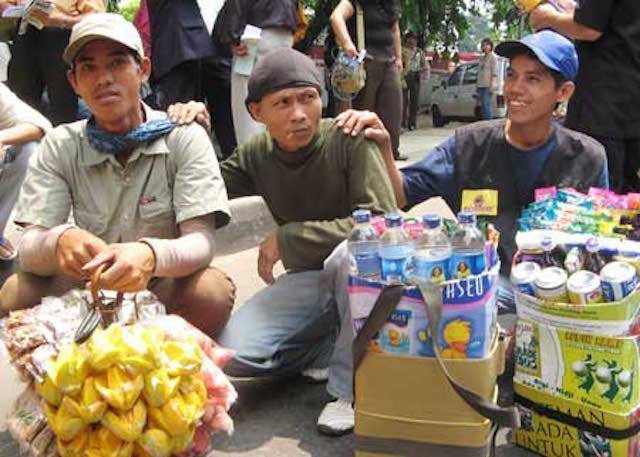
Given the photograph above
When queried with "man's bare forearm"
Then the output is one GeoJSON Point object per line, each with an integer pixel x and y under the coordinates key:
{"type": "Point", "coordinates": [20, 133]}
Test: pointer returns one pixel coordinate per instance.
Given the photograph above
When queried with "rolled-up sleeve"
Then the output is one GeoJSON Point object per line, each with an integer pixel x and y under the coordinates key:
{"type": "Point", "coordinates": [45, 197]}
{"type": "Point", "coordinates": [198, 188]}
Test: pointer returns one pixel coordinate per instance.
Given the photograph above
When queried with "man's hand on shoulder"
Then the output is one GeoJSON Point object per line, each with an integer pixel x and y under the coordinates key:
{"type": "Point", "coordinates": [130, 266]}
{"type": "Point", "coordinates": [76, 247]}
{"type": "Point", "coordinates": [268, 256]}
{"type": "Point", "coordinates": [353, 122]}
{"type": "Point", "coordinates": [186, 113]}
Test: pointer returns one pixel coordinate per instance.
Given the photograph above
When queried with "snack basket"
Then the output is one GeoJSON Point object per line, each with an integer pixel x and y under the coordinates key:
{"type": "Point", "coordinates": [120, 375]}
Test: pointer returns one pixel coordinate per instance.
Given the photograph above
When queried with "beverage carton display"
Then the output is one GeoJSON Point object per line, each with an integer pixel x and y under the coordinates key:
{"type": "Point", "coordinates": [546, 436]}
{"type": "Point", "coordinates": [467, 317]}
{"type": "Point", "coordinates": [594, 371]}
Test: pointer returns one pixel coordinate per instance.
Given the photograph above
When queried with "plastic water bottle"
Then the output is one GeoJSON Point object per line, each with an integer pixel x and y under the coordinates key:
{"type": "Point", "coordinates": [363, 246]}
{"type": "Point", "coordinates": [433, 251]}
{"type": "Point", "coordinates": [396, 250]}
{"type": "Point", "coordinates": [468, 248]}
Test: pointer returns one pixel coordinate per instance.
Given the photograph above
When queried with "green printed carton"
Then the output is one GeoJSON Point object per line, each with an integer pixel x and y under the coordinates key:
{"type": "Point", "coordinates": [596, 371]}
{"type": "Point", "coordinates": [549, 437]}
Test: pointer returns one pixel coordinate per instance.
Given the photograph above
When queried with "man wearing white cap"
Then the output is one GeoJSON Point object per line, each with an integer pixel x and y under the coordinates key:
{"type": "Point", "coordinates": [146, 194]}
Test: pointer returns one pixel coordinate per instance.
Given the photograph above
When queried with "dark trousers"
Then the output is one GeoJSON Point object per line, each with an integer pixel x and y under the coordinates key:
{"type": "Point", "coordinates": [202, 80]}
{"type": "Point", "coordinates": [36, 64]}
{"type": "Point", "coordinates": [382, 94]}
{"type": "Point", "coordinates": [413, 87]}
{"type": "Point", "coordinates": [623, 157]}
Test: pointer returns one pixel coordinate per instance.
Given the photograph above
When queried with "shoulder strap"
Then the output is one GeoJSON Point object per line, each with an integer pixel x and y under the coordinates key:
{"type": "Point", "coordinates": [360, 26]}
{"type": "Point", "coordinates": [502, 416]}
{"type": "Point", "coordinates": [385, 304]}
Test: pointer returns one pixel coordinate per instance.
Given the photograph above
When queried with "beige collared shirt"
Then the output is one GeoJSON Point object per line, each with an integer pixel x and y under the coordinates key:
{"type": "Point", "coordinates": [170, 180]}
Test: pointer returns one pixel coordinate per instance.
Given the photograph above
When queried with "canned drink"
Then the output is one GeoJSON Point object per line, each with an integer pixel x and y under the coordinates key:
{"type": "Point", "coordinates": [619, 279]}
{"type": "Point", "coordinates": [523, 277]}
{"type": "Point", "coordinates": [551, 285]}
{"type": "Point", "coordinates": [584, 288]}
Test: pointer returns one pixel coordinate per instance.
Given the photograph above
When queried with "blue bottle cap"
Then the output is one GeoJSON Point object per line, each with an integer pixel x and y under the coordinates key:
{"type": "Point", "coordinates": [362, 215]}
{"type": "Point", "coordinates": [393, 220]}
{"type": "Point", "coordinates": [465, 217]}
{"type": "Point", "coordinates": [431, 220]}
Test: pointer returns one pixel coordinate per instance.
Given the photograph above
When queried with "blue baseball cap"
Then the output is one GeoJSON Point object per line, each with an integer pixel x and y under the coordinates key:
{"type": "Point", "coordinates": [552, 49]}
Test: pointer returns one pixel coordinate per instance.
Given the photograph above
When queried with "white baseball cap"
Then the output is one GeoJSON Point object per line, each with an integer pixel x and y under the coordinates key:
{"type": "Point", "coordinates": [102, 26]}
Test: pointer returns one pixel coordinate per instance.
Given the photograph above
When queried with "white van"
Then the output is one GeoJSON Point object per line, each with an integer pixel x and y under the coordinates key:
{"type": "Point", "coordinates": [457, 97]}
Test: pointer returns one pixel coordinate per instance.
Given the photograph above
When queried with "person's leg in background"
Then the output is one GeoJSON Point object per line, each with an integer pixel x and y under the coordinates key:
{"type": "Point", "coordinates": [413, 82]}
{"type": "Point", "coordinates": [181, 84]}
{"type": "Point", "coordinates": [616, 161]}
{"type": "Point", "coordinates": [244, 124]}
{"type": "Point", "coordinates": [24, 76]}
{"type": "Point", "coordinates": [405, 104]}
{"type": "Point", "coordinates": [63, 100]}
{"type": "Point", "coordinates": [217, 90]}
{"type": "Point", "coordinates": [485, 102]}
{"type": "Point", "coordinates": [389, 105]}
{"type": "Point", "coordinates": [12, 174]}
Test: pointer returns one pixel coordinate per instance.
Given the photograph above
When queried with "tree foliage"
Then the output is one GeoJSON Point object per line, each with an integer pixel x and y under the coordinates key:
{"type": "Point", "coordinates": [436, 22]}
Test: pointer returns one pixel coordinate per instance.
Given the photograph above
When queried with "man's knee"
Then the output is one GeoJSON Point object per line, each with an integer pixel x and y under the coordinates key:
{"type": "Point", "coordinates": [19, 292]}
{"type": "Point", "coordinates": [205, 298]}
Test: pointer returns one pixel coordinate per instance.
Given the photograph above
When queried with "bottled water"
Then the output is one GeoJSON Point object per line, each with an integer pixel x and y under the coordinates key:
{"type": "Point", "coordinates": [433, 251]}
{"type": "Point", "coordinates": [468, 248]}
{"type": "Point", "coordinates": [363, 246]}
{"type": "Point", "coordinates": [396, 250]}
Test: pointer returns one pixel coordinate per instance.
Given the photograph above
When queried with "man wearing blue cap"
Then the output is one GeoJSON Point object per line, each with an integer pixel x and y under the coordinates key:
{"type": "Point", "coordinates": [493, 167]}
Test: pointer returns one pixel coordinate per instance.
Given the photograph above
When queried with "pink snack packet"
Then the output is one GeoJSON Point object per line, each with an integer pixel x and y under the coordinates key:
{"type": "Point", "coordinates": [545, 193]}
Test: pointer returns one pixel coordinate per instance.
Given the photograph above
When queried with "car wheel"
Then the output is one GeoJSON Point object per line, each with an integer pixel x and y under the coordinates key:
{"type": "Point", "coordinates": [438, 120]}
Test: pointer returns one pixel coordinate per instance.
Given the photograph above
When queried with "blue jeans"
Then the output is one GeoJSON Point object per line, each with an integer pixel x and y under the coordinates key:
{"type": "Point", "coordinates": [301, 321]}
{"type": "Point", "coordinates": [12, 173]}
{"type": "Point", "coordinates": [485, 102]}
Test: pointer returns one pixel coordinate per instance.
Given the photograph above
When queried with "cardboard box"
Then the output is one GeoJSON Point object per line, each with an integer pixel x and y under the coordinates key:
{"type": "Point", "coordinates": [545, 436]}
{"type": "Point", "coordinates": [406, 403]}
{"type": "Point", "coordinates": [597, 372]}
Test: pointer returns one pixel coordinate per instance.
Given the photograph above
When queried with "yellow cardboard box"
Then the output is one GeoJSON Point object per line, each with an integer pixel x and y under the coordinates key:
{"type": "Point", "coordinates": [405, 406]}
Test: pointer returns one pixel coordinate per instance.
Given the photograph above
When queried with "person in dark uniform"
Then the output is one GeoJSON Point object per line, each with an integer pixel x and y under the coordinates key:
{"type": "Point", "coordinates": [507, 159]}
{"type": "Point", "coordinates": [606, 104]}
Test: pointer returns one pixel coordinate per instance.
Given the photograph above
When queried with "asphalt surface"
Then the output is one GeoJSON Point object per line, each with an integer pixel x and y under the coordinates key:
{"type": "Point", "coordinates": [276, 417]}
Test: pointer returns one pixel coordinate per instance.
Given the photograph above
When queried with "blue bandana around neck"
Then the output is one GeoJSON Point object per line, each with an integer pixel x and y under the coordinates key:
{"type": "Point", "coordinates": [113, 143]}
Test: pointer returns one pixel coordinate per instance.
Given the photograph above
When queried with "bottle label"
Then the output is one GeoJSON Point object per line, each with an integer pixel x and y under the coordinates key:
{"type": "Point", "coordinates": [367, 264]}
{"type": "Point", "coordinates": [394, 270]}
{"type": "Point", "coordinates": [434, 270]}
{"type": "Point", "coordinates": [465, 265]}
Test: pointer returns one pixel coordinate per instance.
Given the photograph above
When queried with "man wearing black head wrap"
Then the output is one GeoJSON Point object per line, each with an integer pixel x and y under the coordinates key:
{"type": "Point", "coordinates": [312, 176]}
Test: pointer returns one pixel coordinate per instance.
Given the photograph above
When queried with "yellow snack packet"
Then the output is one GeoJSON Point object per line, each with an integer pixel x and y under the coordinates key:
{"type": "Point", "coordinates": [74, 448]}
{"type": "Point", "coordinates": [181, 358]}
{"type": "Point", "coordinates": [105, 347]}
{"type": "Point", "coordinates": [182, 442]}
{"type": "Point", "coordinates": [71, 368]}
{"type": "Point", "coordinates": [176, 416]}
{"type": "Point", "coordinates": [119, 388]}
{"type": "Point", "coordinates": [127, 425]}
{"type": "Point", "coordinates": [153, 443]}
{"type": "Point", "coordinates": [66, 423]}
{"type": "Point", "coordinates": [137, 358]}
{"type": "Point", "coordinates": [103, 443]}
{"type": "Point", "coordinates": [48, 390]}
{"type": "Point", "coordinates": [90, 406]}
{"type": "Point", "coordinates": [159, 387]}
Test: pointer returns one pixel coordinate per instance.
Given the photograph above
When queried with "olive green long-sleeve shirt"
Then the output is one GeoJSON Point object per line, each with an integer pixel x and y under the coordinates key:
{"type": "Point", "coordinates": [312, 192]}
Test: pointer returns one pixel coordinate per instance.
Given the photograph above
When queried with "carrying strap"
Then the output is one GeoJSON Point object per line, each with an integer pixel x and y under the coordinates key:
{"type": "Point", "coordinates": [385, 304]}
{"type": "Point", "coordinates": [359, 26]}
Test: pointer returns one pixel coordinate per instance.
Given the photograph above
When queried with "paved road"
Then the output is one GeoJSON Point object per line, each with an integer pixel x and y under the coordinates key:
{"type": "Point", "coordinates": [276, 417]}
